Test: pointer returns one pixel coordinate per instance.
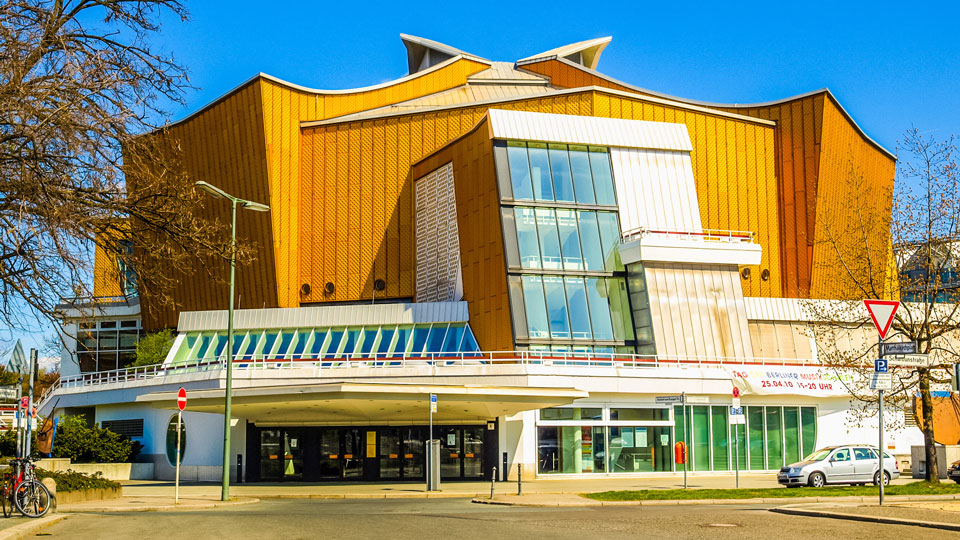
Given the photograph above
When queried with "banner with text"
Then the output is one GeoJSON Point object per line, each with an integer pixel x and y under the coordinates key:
{"type": "Point", "coordinates": [789, 380]}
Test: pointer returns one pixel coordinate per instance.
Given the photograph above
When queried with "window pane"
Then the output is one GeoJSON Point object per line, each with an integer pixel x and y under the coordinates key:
{"type": "Point", "coordinates": [128, 339]}
{"type": "Point", "coordinates": [740, 436]}
{"type": "Point", "coordinates": [571, 413]}
{"type": "Point", "coordinates": [540, 172]}
{"type": "Point", "coordinates": [602, 179]}
{"type": "Point", "coordinates": [548, 449]}
{"type": "Point", "coordinates": [700, 427]}
{"type": "Point", "coordinates": [569, 239]}
{"type": "Point", "coordinates": [350, 339]}
{"type": "Point", "coordinates": [630, 414]}
{"type": "Point", "coordinates": [756, 431]}
{"type": "Point", "coordinates": [582, 182]}
{"type": "Point", "coordinates": [285, 339]}
{"type": "Point", "coordinates": [808, 421]}
{"type": "Point", "coordinates": [556, 307]}
{"type": "Point", "coordinates": [536, 309]}
{"type": "Point", "coordinates": [680, 423]}
{"type": "Point", "coordinates": [610, 238]}
{"type": "Point", "coordinates": [579, 313]}
{"type": "Point", "coordinates": [386, 336]}
{"type": "Point", "coordinates": [469, 342]}
{"type": "Point", "coordinates": [599, 308]}
{"type": "Point", "coordinates": [419, 339]}
{"type": "Point", "coordinates": [435, 341]}
{"type": "Point", "coordinates": [319, 337]}
{"type": "Point", "coordinates": [269, 339]}
{"type": "Point", "coordinates": [403, 340]}
{"type": "Point", "coordinates": [718, 427]}
{"type": "Point", "coordinates": [549, 239]}
{"type": "Point", "coordinates": [369, 337]}
{"type": "Point", "coordinates": [451, 343]}
{"type": "Point", "coordinates": [519, 170]}
{"type": "Point", "coordinates": [527, 241]}
{"type": "Point", "coordinates": [620, 308]}
{"type": "Point", "coordinates": [560, 168]}
{"type": "Point", "coordinates": [774, 440]}
{"type": "Point", "coordinates": [336, 336]}
{"type": "Point", "coordinates": [590, 240]}
{"type": "Point", "coordinates": [108, 339]}
{"type": "Point", "coordinates": [791, 435]}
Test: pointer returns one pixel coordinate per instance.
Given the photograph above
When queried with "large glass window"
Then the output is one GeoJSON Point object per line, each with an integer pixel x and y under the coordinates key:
{"type": "Point", "coordinates": [720, 438]}
{"type": "Point", "coordinates": [582, 180]}
{"type": "Point", "coordinates": [599, 308]}
{"type": "Point", "coordinates": [569, 239]}
{"type": "Point", "coordinates": [536, 308]}
{"type": "Point", "coordinates": [540, 172]}
{"type": "Point", "coordinates": [549, 239]}
{"type": "Point", "coordinates": [560, 168]}
{"type": "Point", "coordinates": [756, 435]}
{"type": "Point", "coordinates": [590, 240]}
{"type": "Point", "coordinates": [620, 309]}
{"type": "Point", "coordinates": [774, 440]}
{"type": "Point", "coordinates": [579, 313]}
{"type": "Point", "coordinates": [808, 422]}
{"type": "Point", "coordinates": [602, 177]}
{"type": "Point", "coordinates": [527, 240]}
{"type": "Point", "coordinates": [700, 429]}
{"type": "Point", "coordinates": [519, 170]}
{"type": "Point", "coordinates": [556, 307]}
{"type": "Point", "coordinates": [610, 239]}
{"type": "Point", "coordinates": [791, 435]}
{"type": "Point", "coordinates": [571, 449]}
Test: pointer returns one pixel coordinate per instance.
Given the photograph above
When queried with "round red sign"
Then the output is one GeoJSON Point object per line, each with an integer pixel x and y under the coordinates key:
{"type": "Point", "coordinates": [736, 392]}
{"type": "Point", "coordinates": [182, 399]}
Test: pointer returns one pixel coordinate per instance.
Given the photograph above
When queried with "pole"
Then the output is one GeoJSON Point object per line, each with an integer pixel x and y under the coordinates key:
{"type": "Point", "coordinates": [686, 436]}
{"type": "Point", "coordinates": [29, 412]}
{"type": "Point", "coordinates": [176, 493]}
{"type": "Point", "coordinates": [19, 415]}
{"type": "Point", "coordinates": [880, 449]}
{"type": "Point", "coordinates": [430, 457]}
{"type": "Point", "coordinates": [225, 487]}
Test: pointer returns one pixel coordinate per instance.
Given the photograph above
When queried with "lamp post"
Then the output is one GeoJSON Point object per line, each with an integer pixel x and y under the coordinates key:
{"type": "Point", "coordinates": [250, 205]}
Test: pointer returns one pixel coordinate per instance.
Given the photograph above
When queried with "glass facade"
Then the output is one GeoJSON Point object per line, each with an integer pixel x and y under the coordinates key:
{"type": "Point", "coordinates": [773, 437]}
{"type": "Point", "coordinates": [567, 239]}
{"type": "Point", "coordinates": [560, 173]}
{"type": "Point", "coordinates": [576, 308]}
{"type": "Point", "coordinates": [378, 341]}
{"type": "Point", "coordinates": [107, 345]}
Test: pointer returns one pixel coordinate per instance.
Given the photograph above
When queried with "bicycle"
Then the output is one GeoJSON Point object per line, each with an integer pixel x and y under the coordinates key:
{"type": "Point", "coordinates": [22, 490]}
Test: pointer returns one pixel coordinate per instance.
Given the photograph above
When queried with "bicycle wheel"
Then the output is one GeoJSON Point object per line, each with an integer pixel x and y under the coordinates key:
{"type": "Point", "coordinates": [32, 499]}
{"type": "Point", "coordinates": [6, 501]}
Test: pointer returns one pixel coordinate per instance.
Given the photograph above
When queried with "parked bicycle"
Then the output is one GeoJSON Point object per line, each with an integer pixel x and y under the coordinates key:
{"type": "Point", "coordinates": [23, 491]}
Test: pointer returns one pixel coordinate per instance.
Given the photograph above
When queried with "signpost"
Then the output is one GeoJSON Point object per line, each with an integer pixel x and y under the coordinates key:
{"type": "Point", "coordinates": [882, 313]}
{"type": "Point", "coordinates": [430, 446]}
{"type": "Point", "coordinates": [736, 418]}
{"type": "Point", "coordinates": [181, 405]}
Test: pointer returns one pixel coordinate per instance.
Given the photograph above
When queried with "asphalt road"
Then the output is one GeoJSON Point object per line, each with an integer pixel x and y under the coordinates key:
{"type": "Point", "coordinates": [454, 519]}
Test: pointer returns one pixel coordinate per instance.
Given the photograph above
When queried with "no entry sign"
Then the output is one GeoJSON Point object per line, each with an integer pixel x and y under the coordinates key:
{"type": "Point", "coordinates": [182, 399]}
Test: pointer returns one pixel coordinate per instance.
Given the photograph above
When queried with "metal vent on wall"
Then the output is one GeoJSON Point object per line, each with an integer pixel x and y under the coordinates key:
{"type": "Point", "coordinates": [127, 428]}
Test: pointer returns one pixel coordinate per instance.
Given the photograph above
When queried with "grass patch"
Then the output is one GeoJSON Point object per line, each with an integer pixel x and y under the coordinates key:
{"type": "Point", "coordinates": [913, 488]}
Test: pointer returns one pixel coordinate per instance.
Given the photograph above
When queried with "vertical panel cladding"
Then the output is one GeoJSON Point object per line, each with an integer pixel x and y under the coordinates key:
{"type": "Point", "coordinates": [855, 193]}
{"type": "Point", "coordinates": [378, 216]}
{"type": "Point", "coordinates": [223, 145]}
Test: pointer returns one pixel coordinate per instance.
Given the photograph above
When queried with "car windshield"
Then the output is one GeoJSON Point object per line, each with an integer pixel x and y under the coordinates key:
{"type": "Point", "coordinates": [818, 455]}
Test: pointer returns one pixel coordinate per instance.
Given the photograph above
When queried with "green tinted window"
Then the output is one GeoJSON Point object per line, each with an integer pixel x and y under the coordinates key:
{"type": "Point", "coordinates": [808, 422]}
{"type": "Point", "coordinates": [701, 438]}
{"type": "Point", "coordinates": [774, 438]}
{"type": "Point", "coordinates": [720, 441]}
{"type": "Point", "coordinates": [791, 435]}
{"type": "Point", "coordinates": [756, 436]}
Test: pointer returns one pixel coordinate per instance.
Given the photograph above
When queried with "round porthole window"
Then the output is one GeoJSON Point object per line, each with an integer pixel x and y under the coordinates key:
{"type": "Point", "coordinates": [172, 440]}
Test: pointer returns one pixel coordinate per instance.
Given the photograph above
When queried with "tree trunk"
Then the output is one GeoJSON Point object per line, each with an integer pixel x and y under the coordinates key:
{"type": "Point", "coordinates": [929, 444]}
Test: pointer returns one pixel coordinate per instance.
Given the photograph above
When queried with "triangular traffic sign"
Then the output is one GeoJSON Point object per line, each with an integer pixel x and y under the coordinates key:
{"type": "Point", "coordinates": [18, 360]}
{"type": "Point", "coordinates": [882, 312]}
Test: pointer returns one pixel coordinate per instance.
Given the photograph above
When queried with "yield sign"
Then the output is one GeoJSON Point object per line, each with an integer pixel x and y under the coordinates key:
{"type": "Point", "coordinates": [882, 312]}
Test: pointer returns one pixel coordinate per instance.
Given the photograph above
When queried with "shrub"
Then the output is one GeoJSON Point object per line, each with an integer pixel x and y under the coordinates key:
{"type": "Point", "coordinates": [8, 444]}
{"type": "Point", "coordinates": [83, 444]}
{"type": "Point", "coordinates": [70, 480]}
{"type": "Point", "coordinates": [153, 348]}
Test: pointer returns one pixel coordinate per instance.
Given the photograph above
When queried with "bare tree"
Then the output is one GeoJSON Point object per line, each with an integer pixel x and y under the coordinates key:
{"type": "Point", "coordinates": [80, 84]}
{"type": "Point", "coordinates": [924, 244]}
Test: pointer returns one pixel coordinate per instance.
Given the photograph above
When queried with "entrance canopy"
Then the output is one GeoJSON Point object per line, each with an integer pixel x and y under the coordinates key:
{"type": "Point", "coordinates": [344, 403]}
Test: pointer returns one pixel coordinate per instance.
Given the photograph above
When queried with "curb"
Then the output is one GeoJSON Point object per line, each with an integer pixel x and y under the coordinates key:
{"type": "Point", "coordinates": [158, 508]}
{"type": "Point", "coordinates": [367, 496]}
{"type": "Point", "coordinates": [28, 529]}
{"type": "Point", "coordinates": [684, 502]}
{"type": "Point", "coordinates": [869, 519]}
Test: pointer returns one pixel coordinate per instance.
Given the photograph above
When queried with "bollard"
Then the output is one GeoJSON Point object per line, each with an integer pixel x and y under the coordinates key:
{"type": "Point", "coordinates": [493, 479]}
{"type": "Point", "coordinates": [519, 477]}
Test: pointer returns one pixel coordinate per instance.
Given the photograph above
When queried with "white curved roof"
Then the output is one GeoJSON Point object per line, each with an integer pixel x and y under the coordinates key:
{"type": "Point", "coordinates": [586, 53]}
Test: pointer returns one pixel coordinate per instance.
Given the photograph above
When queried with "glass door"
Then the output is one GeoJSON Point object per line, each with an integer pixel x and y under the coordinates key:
{"type": "Point", "coordinates": [450, 452]}
{"type": "Point", "coordinates": [473, 452]}
{"type": "Point", "coordinates": [353, 448]}
{"type": "Point", "coordinates": [270, 463]}
{"type": "Point", "coordinates": [413, 453]}
{"type": "Point", "coordinates": [292, 455]}
{"type": "Point", "coordinates": [389, 454]}
{"type": "Point", "coordinates": [328, 462]}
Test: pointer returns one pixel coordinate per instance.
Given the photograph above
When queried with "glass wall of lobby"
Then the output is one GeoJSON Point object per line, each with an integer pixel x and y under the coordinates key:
{"type": "Point", "coordinates": [367, 453]}
{"type": "Point", "coordinates": [635, 439]}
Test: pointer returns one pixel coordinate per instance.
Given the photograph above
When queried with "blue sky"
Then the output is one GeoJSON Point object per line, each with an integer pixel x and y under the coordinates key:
{"type": "Point", "coordinates": [891, 65]}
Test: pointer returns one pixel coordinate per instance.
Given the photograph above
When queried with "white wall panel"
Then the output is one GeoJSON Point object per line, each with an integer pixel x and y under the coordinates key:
{"type": "Point", "coordinates": [438, 243]}
{"type": "Point", "coordinates": [655, 190]}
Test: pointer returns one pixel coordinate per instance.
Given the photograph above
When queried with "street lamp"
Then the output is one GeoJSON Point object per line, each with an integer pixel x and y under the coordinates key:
{"type": "Point", "coordinates": [250, 205]}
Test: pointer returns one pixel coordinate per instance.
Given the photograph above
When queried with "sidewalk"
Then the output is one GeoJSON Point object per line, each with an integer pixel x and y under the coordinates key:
{"type": "Point", "coordinates": [943, 515]}
{"type": "Point", "coordinates": [151, 504]}
{"type": "Point", "coordinates": [448, 489]}
{"type": "Point", "coordinates": [573, 500]}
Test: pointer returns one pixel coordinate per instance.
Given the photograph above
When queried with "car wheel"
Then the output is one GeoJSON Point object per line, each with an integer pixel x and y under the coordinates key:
{"type": "Point", "coordinates": [817, 480]}
{"type": "Point", "coordinates": [886, 478]}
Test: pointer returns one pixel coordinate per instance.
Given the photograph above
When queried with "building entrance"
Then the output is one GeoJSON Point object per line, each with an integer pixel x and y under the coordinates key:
{"type": "Point", "coordinates": [373, 453]}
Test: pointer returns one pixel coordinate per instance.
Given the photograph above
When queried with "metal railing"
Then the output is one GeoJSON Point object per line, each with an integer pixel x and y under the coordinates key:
{"type": "Point", "coordinates": [705, 235]}
{"type": "Point", "coordinates": [320, 362]}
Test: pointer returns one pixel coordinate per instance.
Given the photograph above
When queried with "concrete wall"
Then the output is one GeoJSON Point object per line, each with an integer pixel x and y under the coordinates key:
{"type": "Point", "coordinates": [110, 471]}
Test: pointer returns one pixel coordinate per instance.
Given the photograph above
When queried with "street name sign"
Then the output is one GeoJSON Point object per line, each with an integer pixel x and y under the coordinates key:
{"type": "Point", "coordinates": [698, 399]}
{"type": "Point", "coordinates": [900, 347]}
{"type": "Point", "coordinates": [881, 381]}
{"type": "Point", "coordinates": [882, 312]}
{"type": "Point", "coordinates": [910, 360]}
{"type": "Point", "coordinates": [669, 399]}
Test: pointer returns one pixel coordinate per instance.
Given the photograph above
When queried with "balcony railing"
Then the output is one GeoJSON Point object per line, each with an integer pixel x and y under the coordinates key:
{"type": "Point", "coordinates": [386, 361]}
{"type": "Point", "coordinates": [705, 235]}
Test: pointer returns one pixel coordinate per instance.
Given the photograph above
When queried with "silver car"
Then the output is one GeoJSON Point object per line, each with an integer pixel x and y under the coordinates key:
{"type": "Point", "coordinates": [849, 464]}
